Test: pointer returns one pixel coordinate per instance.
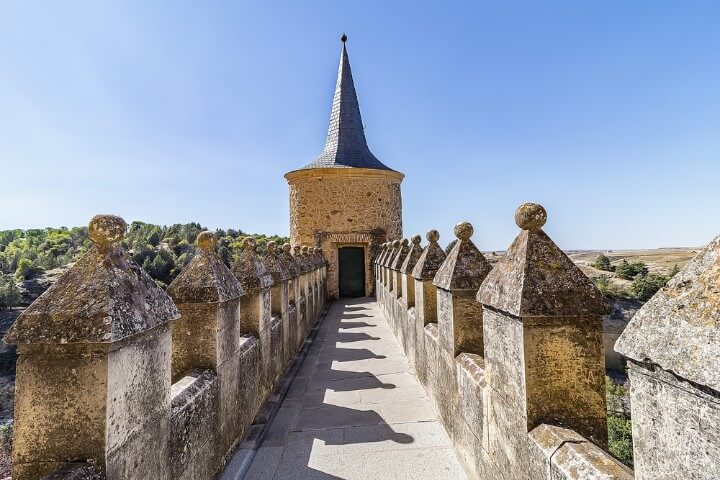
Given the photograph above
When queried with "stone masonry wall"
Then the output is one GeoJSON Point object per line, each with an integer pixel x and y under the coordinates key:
{"type": "Point", "coordinates": [362, 201]}
{"type": "Point", "coordinates": [137, 383]}
{"type": "Point", "coordinates": [525, 398]}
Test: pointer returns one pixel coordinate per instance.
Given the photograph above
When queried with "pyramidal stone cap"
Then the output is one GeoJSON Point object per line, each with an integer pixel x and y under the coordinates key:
{"type": "Point", "coordinates": [314, 257]}
{"type": "Point", "coordinates": [206, 279]}
{"type": "Point", "coordinates": [536, 278]}
{"type": "Point", "coordinates": [412, 256]}
{"type": "Point", "coordinates": [678, 329]}
{"type": "Point", "coordinates": [104, 298]}
{"type": "Point", "coordinates": [249, 270]}
{"type": "Point", "coordinates": [273, 265]}
{"type": "Point", "coordinates": [383, 253]}
{"type": "Point", "coordinates": [402, 252]}
{"type": "Point", "coordinates": [394, 247]}
{"type": "Point", "coordinates": [299, 260]}
{"type": "Point", "coordinates": [431, 258]}
{"type": "Point", "coordinates": [305, 259]}
{"type": "Point", "coordinates": [320, 257]}
{"type": "Point", "coordinates": [465, 267]}
{"type": "Point", "coordinates": [288, 260]}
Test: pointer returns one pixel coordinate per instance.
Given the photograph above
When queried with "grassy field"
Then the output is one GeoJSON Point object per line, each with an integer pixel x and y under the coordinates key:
{"type": "Point", "coordinates": [659, 260]}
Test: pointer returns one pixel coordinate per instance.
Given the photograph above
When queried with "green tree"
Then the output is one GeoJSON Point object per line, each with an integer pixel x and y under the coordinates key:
{"type": "Point", "coordinates": [644, 286]}
{"type": "Point", "coordinates": [620, 439]}
{"type": "Point", "coordinates": [628, 271]}
{"type": "Point", "coordinates": [9, 292]}
{"type": "Point", "coordinates": [602, 262]}
{"type": "Point", "coordinates": [26, 270]}
{"type": "Point", "coordinates": [154, 238]}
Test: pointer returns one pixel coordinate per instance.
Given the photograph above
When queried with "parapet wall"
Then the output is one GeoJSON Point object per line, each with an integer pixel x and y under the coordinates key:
{"type": "Point", "coordinates": [512, 358]}
{"type": "Point", "coordinates": [118, 379]}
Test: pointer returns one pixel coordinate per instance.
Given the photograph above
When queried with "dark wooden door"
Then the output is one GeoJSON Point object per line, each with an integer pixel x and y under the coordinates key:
{"type": "Point", "coordinates": [351, 272]}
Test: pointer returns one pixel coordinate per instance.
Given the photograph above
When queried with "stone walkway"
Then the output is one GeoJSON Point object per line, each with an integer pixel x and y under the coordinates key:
{"type": "Point", "coordinates": [356, 410]}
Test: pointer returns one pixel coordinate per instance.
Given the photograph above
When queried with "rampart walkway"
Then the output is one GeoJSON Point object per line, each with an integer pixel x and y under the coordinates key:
{"type": "Point", "coordinates": [356, 410]}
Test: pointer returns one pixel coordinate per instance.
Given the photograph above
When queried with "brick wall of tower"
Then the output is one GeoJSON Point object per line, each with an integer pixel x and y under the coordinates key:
{"type": "Point", "coordinates": [325, 201]}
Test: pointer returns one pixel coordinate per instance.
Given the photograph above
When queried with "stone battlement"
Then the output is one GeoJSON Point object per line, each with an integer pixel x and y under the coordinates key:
{"type": "Point", "coordinates": [512, 358]}
{"type": "Point", "coordinates": [118, 379]}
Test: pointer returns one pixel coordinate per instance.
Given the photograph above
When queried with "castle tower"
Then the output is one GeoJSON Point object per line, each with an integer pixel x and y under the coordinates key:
{"type": "Point", "coordinates": [346, 200]}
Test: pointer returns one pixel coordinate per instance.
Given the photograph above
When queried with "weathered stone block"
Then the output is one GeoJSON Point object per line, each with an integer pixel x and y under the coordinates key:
{"type": "Point", "coordinates": [675, 427]}
{"type": "Point", "coordinates": [195, 423]}
{"type": "Point", "coordinates": [146, 454]}
{"type": "Point", "coordinates": [138, 386]}
{"type": "Point", "coordinates": [460, 322]}
{"type": "Point", "coordinates": [58, 397]}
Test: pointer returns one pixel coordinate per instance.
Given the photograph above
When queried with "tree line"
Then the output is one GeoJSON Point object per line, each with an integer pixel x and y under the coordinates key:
{"type": "Point", "coordinates": [163, 251]}
{"type": "Point", "coordinates": [643, 283]}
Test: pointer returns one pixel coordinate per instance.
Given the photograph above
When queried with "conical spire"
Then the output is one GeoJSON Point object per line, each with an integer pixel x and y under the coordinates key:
{"type": "Point", "coordinates": [346, 145]}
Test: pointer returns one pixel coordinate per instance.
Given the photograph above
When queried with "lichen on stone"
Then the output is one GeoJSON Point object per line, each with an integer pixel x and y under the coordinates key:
{"type": "Point", "coordinates": [536, 278]}
{"type": "Point", "coordinates": [206, 279]}
{"type": "Point", "coordinates": [104, 297]}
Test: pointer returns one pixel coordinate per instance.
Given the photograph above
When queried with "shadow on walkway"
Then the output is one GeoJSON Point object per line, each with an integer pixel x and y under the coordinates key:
{"type": "Point", "coordinates": [354, 410]}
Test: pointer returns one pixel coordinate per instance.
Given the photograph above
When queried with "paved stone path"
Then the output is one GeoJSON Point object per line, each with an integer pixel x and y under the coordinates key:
{"type": "Point", "coordinates": [356, 410]}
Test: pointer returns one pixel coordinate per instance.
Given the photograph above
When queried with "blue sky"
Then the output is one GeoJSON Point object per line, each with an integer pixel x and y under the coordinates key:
{"type": "Point", "coordinates": [606, 112]}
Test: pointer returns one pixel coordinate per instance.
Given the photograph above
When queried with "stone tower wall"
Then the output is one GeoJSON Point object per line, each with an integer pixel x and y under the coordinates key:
{"type": "Point", "coordinates": [332, 207]}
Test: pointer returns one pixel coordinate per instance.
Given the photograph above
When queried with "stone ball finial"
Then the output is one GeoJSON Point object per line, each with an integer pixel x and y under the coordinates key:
{"type": "Point", "coordinates": [433, 236]}
{"type": "Point", "coordinates": [296, 249]}
{"type": "Point", "coordinates": [249, 243]}
{"type": "Point", "coordinates": [205, 241]}
{"type": "Point", "coordinates": [405, 242]}
{"type": "Point", "coordinates": [304, 249]}
{"type": "Point", "coordinates": [343, 38]}
{"type": "Point", "coordinates": [396, 243]}
{"type": "Point", "coordinates": [530, 216]}
{"type": "Point", "coordinates": [106, 230]}
{"type": "Point", "coordinates": [286, 248]}
{"type": "Point", "coordinates": [271, 246]}
{"type": "Point", "coordinates": [463, 231]}
{"type": "Point", "coordinates": [416, 240]}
